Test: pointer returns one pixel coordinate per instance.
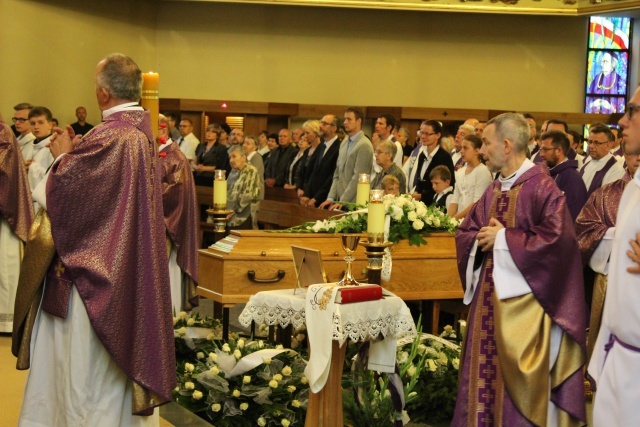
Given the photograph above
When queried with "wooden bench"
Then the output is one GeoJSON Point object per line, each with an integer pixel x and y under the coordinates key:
{"type": "Point", "coordinates": [278, 215]}
{"type": "Point", "coordinates": [204, 197]}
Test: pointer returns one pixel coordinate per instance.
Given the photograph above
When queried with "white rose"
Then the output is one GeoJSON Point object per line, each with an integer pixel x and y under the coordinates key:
{"type": "Point", "coordinates": [240, 344]}
{"type": "Point", "coordinates": [183, 314]}
{"type": "Point", "coordinates": [189, 385]}
{"type": "Point", "coordinates": [316, 228]}
{"type": "Point", "coordinates": [436, 222]}
{"type": "Point", "coordinates": [422, 348]}
{"type": "Point", "coordinates": [277, 377]}
{"type": "Point", "coordinates": [175, 320]}
{"type": "Point", "coordinates": [279, 347]}
{"type": "Point", "coordinates": [304, 380]}
{"type": "Point", "coordinates": [236, 393]}
{"type": "Point", "coordinates": [396, 213]}
{"type": "Point", "coordinates": [331, 225]}
{"type": "Point", "coordinates": [273, 384]}
{"type": "Point", "coordinates": [197, 395]}
{"type": "Point", "coordinates": [188, 367]}
{"type": "Point", "coordinates": [191, 322]}
{"type": "Point", "coordinates": [211, 337]}
{"type": "Point", "coordinates": [226, 348]}
{"type": "Point", "coordinates": [177, 389]}
{"type": "Point", "coordinates": [291, 389]}
{"type": "Point", "coordinates": [285, 422]}
{"type": "Point", "coordinates": [213, 357]}
{"type": "Point", "coordinates": [182, 331]}
{"type": "Point", "coordinates": [443, 358]}
{"type": "Point", "coordinates": [421, 210]}
{"type": "Point", "coordinates": [216, 407]}
{"type": "Point", "coordinates": [246, 379]}
{"type": "Point", "coordinates": [456, 363]}
{"type": "Point", "coordinates": [267, 360]}
{"type": "Point", "coordinates": [295, 403]}
{"type": "Point", "coordinates": [262, 422]}
{"type": "Point", "coordinates": [431, 365]}
{"type": "Point", "coordinates": [244, 406]}
{"type": "Point", "coordinates": [286, 371]}
{"type": "Point", "coordinates": [412, 216]}
{"type": "Point", "coordinates": [411, 371]}
{"type": "Point", "coordinates": [400, 202]}
{"type": "Point", "coordinates": [403, 357]}
{"type": "Point", "coordinates": [411, 205]}
{"type": "Point", "coordinates": [417, 224]}
{"type": "Point", "coordinates": [237, 354]}
{"type": "Point", "coordinates": [260, 344]}
{"type": "Point", "coordinates": [405, 417]}
{"type": "Point", "coordinates": [200, 355]}
{"type": "Point", "coordinates": [214, 370]}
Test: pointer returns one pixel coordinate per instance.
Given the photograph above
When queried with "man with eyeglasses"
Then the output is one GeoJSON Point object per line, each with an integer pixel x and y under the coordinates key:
{"type": "Point", "coordinates": [21, 122]}
{"type": "Point", "coordinates": [354, 158]}
{"type": "Point", "coordinates": [319, 183]}
{"type": "Point", "coordinates": [553, 150]}
{"type": "Point", "coordinates": [601, 168]}
{"type": "Point", "coordinates": [615, 363]}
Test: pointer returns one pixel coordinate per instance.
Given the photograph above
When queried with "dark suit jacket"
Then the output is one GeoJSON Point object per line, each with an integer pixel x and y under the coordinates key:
{"type": "Point", "coordinates": [441, 157]}
{"type": "Point", "coordinates": [217, 156]}
{"type": "Point", "coordinates": [278, 165]}
{"type": "Point", "coordinates": [318, 184]}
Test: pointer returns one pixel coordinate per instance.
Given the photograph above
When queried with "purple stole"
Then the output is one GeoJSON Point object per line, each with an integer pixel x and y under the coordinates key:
{"type": "Point", "coordinates": [488, 404]}
{"type": "Point", "coordinates": [599, 176]}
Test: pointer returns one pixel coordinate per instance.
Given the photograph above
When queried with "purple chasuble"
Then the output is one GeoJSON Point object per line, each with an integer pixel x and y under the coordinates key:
{"type": "Point", "coordinates": [538, 228]}
{"type": "Point", "coordinates": [596, 182]}
{"type": "Point", "coordinates": [105, 203]}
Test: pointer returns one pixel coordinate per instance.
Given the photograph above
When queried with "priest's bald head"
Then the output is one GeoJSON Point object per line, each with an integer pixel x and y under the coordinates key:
{"type": "Point", "coordinates": [504, 143]}
{"type": "Point", "coordinates": [118, 80]}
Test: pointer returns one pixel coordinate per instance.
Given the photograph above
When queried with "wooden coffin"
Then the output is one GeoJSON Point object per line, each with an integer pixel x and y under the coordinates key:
{"type": "Point", "coordinates": [229, 269]}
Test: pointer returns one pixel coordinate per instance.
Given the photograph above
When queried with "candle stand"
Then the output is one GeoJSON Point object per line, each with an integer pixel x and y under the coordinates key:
{"type": "Point", "coordinates": [374, 252]}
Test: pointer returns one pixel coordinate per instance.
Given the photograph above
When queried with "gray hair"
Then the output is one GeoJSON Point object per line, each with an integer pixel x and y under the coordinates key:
{"type": "Point", "coordinates": [514, 127]}
{"type": "Point", "coordinates": [389, 147]}
{"type": "Point", "coordinates": [237, 148]}
{"type": "Point", "coordinates": [468, 128]}
{"type": "Point", "coordinates": [121, 77]}
{"type": "Point", "coordinates": [252, 138]}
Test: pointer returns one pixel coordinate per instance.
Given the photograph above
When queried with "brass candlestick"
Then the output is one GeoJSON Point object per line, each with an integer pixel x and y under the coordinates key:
{"type": "Point", "coordinates": [374, 251]}
{"type": "Point", "coordinates": [218, 215]}
{"type": "Point", "coordinates": [349, 244]}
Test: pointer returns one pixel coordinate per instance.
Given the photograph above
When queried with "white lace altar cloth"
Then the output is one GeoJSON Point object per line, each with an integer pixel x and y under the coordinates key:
{"type": "Point", "coordinates": [389, 316]}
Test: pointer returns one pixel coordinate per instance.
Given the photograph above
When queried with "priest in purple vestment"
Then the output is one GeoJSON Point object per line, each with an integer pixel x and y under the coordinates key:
{"type": "Point", "coordinates": [595, 228]}
{"type": "Point", "coordinates": [181, 218]}
{"type": "Point", "coordinates": [16, 216]}
{"type": "Point", "coordinates": [103, 348]}
{"type": "Point", "coordinates": [554, 150]}
{"type": "Point", "coordinates": [520, 267]}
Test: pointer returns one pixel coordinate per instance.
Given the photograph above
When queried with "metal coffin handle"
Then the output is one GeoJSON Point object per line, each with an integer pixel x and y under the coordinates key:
{"type": "Point", "coordinates": [251, 274]}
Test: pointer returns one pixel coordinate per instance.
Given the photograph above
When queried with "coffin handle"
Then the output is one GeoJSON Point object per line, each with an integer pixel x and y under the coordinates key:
{"type": "Point", "coordinates": [251, 274]}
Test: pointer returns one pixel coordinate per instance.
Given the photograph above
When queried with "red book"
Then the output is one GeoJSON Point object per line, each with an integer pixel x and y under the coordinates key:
{"type": "Point", "coordinates": [349, 294]}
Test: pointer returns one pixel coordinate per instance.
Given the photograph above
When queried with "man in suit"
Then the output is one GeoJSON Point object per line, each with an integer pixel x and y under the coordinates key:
{"type": "Point", "coordinates": [424, 158]}
{"type": "Point", "coordinates": [355, 157]}
{"type": "Point", "coordinates": [278, 165]}
{"type": "Point", "coordinates": [317, 186]}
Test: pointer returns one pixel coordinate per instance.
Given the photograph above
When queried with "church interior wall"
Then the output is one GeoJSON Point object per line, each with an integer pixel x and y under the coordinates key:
{"type": "Point", "coordinates": [313, 55]}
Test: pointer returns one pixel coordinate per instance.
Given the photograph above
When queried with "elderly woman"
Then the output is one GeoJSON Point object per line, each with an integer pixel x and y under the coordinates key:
{"type": "Point", "coordinates": [243, 187]}
{"type": "Point", "coordinates": [384, 154]}
{"type": "Point", "coordinates": [210, 155]}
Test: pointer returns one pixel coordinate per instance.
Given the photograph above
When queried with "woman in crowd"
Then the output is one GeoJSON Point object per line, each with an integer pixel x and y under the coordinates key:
{"type": "Point", "coordinates": [243, 187]}
{"type": "Point", "coordinates": [210, 155]}
{"type": "Point", "coordinates": [403, 139]}
{"type": "Point", "coordinates": [294, 166]}
{"type": "Point", "coordinates": [471, 180]}
{"type": "Point", "coordinates": [311, 129]}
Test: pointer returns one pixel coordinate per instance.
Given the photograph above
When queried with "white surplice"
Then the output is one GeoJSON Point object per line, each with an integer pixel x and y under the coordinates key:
{"type": "Point", "coordinates": [616, 373]}
{"type": "Point", "coordinates": [10, 257]}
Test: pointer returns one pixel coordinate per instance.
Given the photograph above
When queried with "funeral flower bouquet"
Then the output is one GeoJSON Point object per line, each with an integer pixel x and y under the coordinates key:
{"type": "Point", "coordinates": [409, 219]}
{"type": "Point", "coordinates": [243, 383]}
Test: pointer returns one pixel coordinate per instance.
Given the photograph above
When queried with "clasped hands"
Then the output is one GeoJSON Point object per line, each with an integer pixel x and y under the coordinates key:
{"type": "Point", "coordinates": [63, 141]}
{"type": "Point", "coordinates": [486, 237]}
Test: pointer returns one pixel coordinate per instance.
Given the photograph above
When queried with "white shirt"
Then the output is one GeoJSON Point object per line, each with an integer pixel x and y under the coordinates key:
{"type": "Point", "coordinates": [188, 145]}
{"type": "Point", "coordinates": [328, 144]}
{"type": "Point", "coordinates": [409, 169]}
{"type": "Point", "coordinates": [470, 187]}
{"type": "Point", "coordinates": [615, 172]}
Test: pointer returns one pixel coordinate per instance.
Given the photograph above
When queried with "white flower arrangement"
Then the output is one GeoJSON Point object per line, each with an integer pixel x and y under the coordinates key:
{"type": "Point", "coordinates": [410, 219]}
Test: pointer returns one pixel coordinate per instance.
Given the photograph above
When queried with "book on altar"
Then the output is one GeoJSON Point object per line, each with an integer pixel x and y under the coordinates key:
{"type": "Point", "coordinates": [360, 293]}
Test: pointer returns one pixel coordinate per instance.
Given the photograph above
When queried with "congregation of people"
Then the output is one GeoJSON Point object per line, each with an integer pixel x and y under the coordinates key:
{"type": "Point", "coordinates": [538, 212]}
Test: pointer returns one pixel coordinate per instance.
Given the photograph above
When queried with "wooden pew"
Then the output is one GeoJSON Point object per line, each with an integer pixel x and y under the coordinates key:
{"type": "Point", "coordinates": [280, 194]}
{"type": "Point", "coordinates": [204, 196]}
{"type": "Point", "coordinates": [277, 214]}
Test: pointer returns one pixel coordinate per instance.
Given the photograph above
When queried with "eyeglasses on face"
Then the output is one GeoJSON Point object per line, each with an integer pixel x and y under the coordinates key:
{"type": "Point", "coordinates": [545, 149]}
{"type": "Point", "coordinates": [597, 143]}
{"type": "Point", "coordinates": [19, 120]}
{"type": "Point", "coordinates": [427, 133]}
